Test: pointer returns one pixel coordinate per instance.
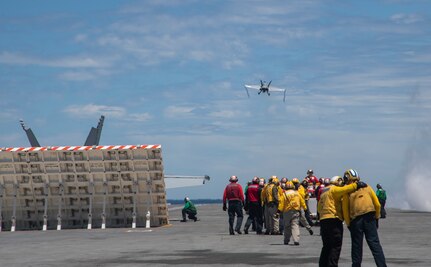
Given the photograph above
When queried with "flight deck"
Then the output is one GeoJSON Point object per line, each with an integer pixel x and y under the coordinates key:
{"type": "Point", "coordinates": [404, 235]}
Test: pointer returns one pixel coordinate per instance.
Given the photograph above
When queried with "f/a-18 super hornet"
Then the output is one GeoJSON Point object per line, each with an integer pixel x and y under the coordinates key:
{"type": "Point", "coordinates": [265, 88]}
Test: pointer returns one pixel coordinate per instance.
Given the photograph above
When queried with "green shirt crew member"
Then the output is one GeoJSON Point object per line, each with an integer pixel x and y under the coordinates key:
{"type": "Point", "coordinates": [190, 210]}
{"type": "Point", "coordinates": [381, 195]}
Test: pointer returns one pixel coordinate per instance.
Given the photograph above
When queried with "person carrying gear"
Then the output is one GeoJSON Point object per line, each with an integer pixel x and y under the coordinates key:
{"type": "Point", "coordinates": [189, 209]}
{"type": "Point", "coordinates": [252, 200]}
{"type": "Point", "coordinates": [381, 195]}
{"type": "Point", "coordinates": [361, 210]}
{"type": "Point", "coordinates": [270, 199]}
{"type": "Point", "coordinates": [234, 196]}
{"type": "Point", "coordinates": [302, 190]}
{"type": "Point", "coordinates": [331, 219]}
{"type": "Point", "coordinates": [290, 205]}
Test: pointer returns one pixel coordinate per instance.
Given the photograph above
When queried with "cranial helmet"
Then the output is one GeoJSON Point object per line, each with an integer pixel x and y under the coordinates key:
{"type": "Point", "coordinates": [289, 185]}
{"type": "Point", "coordinates": [350, 175]}
{"type": "Point", "coordinates": [337, 180]}
{"type": "Point", "coordinates": [233, 178]}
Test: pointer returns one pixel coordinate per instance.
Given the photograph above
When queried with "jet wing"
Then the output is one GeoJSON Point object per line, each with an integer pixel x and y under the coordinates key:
{"type": "Point", "coordinates": [175, 181]}
{"type": "Point", "coordinates": [276, 89]}
{"type": "Point", "coordinates": [255, 87]}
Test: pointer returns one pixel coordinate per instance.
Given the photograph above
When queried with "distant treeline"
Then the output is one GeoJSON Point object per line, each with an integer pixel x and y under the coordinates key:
{"type": "Point", "coordinates": [195, 201]}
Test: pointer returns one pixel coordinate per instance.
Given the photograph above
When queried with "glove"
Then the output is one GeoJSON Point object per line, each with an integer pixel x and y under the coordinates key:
{"type": "Point", "coordinates": [361, 185]}
{"type": "Point", "coordinates": [224, 207]}
{"type": "Point", "coordinates": [377, 223]}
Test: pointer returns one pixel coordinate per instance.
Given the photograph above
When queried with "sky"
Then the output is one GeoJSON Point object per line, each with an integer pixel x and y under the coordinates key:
{"type": "Point", "coordinates": [357, 74]}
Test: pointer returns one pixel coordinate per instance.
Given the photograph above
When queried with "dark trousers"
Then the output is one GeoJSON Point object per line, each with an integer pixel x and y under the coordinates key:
{"type": "Point", "coordinates": [366, 225]}
{"type": "Point", "coordinates": [255, 216]}
{"type": "Point", "coordinates": [235, 208]}
{"type": "Point", "coordinates": [331, 231]}
{"type": "Point", "coordinates": [308, 214]}
{"type": "Point", "coordinates": [382, 211]}
{"type": "Point", "coordinates": [191, 214]}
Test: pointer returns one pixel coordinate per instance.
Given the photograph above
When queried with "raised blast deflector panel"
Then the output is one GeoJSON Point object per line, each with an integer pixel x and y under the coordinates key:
{"type": "Point", "coordinates": [74, 186]}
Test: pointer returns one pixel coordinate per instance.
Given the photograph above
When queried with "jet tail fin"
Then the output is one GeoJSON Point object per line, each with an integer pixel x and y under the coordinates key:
{"type": "Point", "coordinates": [93, 137]}
{"type": "Point", "coordinates": [30, 135]}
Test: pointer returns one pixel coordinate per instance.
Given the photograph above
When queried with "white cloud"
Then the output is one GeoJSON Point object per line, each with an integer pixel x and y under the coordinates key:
{"type": "Point", "coordinates": [139, 117]}
{"type": "Point", "coordinates": [64, 62]}
{"type": "Point", "coordinates": [178, 111]}
{"type": "Point", "coordinates": [109, 111]}
{"type": "Point", "coordinates": [406, 18]}
{"type": "Point", "coordinates": [91, 109]}
{"type": "Point", "coordinates": [8, 114]}
{"type": "Point", "coordinates": [80, 38]}
{"type": "Point", "coordinates": [77, 76]}
{"type": "Point", "coordinates": [229, 114]}
{"type": "Point", "coordinates": [419, 57]}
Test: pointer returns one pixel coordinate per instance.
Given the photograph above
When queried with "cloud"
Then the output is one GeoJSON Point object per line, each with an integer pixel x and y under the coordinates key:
{"type": "Point", "coordinates": [178, 111]}
{"type": "Point", "coordinates": [77, 76]}
{"type": "Point", "coordinates": [139, 117]}
{"type": "Point", "coordinates": [8, 114]}
{"type": "Point", "coordinates": [84, 75]}
{"type": "Point", "coordinates": [91, 109]}
{"type": "Point", "coordinates": [80, 38]}
{"type": "Point", "coordinates": [65, 62]}
{"type": "Point", "coordinates": [109, 111]}
{"type": "Point", "coordinates": [406, 18]}
{"type": "Point", "coordinates": [229, 114]}
{"type": "Point", "coordinates": [419, 58]}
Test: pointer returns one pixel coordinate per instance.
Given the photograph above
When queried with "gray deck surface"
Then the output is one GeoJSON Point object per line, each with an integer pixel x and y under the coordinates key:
{"type": "Point", "coordinates": [405, 236]}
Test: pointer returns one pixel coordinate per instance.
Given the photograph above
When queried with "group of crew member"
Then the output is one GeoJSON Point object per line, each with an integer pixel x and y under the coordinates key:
{"type": "Point", "coordinates": [280, 206]}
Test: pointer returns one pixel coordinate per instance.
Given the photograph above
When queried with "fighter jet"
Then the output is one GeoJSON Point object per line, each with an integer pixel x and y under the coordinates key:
{"type": "Point", "coordinates": [265, 88]}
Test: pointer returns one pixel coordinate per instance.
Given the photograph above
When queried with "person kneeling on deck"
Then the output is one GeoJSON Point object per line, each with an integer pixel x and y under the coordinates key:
{"type": "Point", "coordinates": [189, 209]}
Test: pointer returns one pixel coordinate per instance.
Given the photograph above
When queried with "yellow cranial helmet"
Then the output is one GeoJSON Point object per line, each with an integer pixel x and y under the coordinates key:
{"type": "Point", "coordinates": [289, 185]}
{"type": "Point", "coordinates": [350, 175]}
